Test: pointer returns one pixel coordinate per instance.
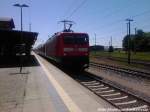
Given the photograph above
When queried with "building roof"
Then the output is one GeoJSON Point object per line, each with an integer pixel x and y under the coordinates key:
{"type": "Point", "coordinates": [6, 23]}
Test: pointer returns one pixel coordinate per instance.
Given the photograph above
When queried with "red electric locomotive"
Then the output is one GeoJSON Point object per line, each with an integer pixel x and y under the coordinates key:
{"type": "Point", "coordinates": [68, 48]}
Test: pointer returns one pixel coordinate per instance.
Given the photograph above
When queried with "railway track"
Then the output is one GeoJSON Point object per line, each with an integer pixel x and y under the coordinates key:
{"type": "Point", "coordinates": [122, 100]}
{"type": "Point", "coordinates": [134, 61]}
{"type": "Point", "coordinates": [120, 69]}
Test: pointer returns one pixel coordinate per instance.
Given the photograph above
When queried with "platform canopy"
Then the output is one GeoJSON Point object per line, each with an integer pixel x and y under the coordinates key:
{"type": "Point", "coordinates": [15, 36]}
{"type": "Point", "coordinates": [11, 38]}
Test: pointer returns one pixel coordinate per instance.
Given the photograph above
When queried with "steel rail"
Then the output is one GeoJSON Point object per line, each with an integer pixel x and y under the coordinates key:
{"type": "Point", "coordinates": [121, 70]}
{"type": "Point", "coordinates": [119, 98]}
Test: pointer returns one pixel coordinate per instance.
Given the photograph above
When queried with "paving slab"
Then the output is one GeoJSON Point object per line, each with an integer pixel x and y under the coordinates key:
{"type": "Point", "coordinates": [45, 88]}
{"type": "Point", "coordinates": [81, 97]}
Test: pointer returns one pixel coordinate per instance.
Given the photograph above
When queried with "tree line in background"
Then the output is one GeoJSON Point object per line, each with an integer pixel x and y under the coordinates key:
{"type": "Point", "coordinates": [139, 42]}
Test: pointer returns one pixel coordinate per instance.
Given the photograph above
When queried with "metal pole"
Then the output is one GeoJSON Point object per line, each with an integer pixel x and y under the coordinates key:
{"type": "Point", "coordinates": [127, 29]}
{"type": "Point", "coordinates": [128, 37]}
{"type": "Point", "coordinates": [95, 38]}
{"type": "Point", "coordinates": [129, 40]}
{"type": "Point", "coordinates": [135, 31]}
{"type": "Point", "coordinates": [95, 42]}
{"type": "Point", "coordinates": [30, 27]}
{"type": "Point", "coordinates": [22, 46]}
{"type": "Point", "coordinates": [21, 39]}
{"type": "Point", "coordinates": [135, 41]}
{"type": "Point", "coordinates": [21, 19]}
{"type": "Point", "coordinates": [110, 41]}
{"type": "Point", "coordinates": [129, 49]}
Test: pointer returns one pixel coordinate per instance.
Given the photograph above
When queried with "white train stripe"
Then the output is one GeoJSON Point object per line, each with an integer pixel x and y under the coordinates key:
{"type": "Point", "coordinates": [83, 49]}
{"type": "Point", "coordinates": [111, 94]}
{"type": "Point", "coordinates": [136, 108]}
{"type": "Point", "coordinates": [119, 98]}
{"type": "Point", "coordinates": [126, 103]}
{"type": "Point", "coordinates": [105, 91]}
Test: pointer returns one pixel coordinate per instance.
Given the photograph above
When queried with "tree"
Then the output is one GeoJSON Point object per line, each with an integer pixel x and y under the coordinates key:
{"type": "Point", "coordinates": [126, 41]}
{"type": "Point", "coordinates": [138, 42]}
{"type": "Point", "coordinates": [142, 41]}
{"type": "Point", "coordinates": [140, 33]}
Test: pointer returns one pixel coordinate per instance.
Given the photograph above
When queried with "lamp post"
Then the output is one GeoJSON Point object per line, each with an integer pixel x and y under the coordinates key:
{"type": "Point", "coordinates": [21, 6]}
{"type": "Point", "coordinates": [22, 45]}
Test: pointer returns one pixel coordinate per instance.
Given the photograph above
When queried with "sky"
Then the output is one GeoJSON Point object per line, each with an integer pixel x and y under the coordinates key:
{"type": "Point", "coordinates": [103, 18]}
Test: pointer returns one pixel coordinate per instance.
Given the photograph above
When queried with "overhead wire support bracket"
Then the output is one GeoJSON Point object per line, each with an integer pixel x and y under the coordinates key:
{"type": "Point", "coordinates": [69, 23]}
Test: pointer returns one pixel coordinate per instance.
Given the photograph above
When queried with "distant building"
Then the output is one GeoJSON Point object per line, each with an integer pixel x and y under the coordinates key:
{"type": "Point", "coordinates": [116, 48]}
{"type": "Point", "coordinates": [97, 48]}
{"type": "Point", "coordinates": [6, 23]}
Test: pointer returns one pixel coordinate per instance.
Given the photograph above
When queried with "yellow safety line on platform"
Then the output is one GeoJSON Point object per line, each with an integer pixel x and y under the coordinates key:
{"type": "Point", "coordinates": [64, 96]}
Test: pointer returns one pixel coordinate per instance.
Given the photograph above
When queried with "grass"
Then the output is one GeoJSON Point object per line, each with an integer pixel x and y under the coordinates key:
{"type": "Point", "coordinates": [145, 56]}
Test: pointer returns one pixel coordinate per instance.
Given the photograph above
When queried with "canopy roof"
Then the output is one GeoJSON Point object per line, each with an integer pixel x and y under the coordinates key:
{"type": "Point", "coordinates": [16, 37]}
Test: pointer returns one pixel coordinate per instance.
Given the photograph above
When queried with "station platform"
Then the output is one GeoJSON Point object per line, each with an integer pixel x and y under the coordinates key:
{"type": "Point", "coordinates": [43, 87]}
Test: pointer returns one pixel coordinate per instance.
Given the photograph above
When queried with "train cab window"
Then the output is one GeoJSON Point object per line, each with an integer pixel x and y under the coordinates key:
{"type": "Point", "coordinates": [76, 39]}
{"type": "Point", "coordinates": [81, 39]}
{"type": "Point", "coordinates": [68, 40]}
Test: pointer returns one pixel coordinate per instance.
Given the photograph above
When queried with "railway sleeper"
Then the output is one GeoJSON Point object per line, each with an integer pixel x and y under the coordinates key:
{"type": "Point", "coordinates": [92, 84]}
{"type": "Point", "coordinates": [126, 99]}
{"type": "Point", "coordinates": [135, 106]}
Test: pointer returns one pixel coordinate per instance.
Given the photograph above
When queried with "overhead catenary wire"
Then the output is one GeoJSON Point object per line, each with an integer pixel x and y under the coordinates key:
{"type": "Point", "coordinates": [69, 8]}
{"type": "Point", "coordinates": [145, 26]}
{"type": "Point", "coordinates": [77, 8]}
{"type": "Point", "coordinates": [120, 20]}
{"type": "Point", "coordinates": [111, 24]}
{"type": "Point", "coordinates": [143, 13]}
{"type": "Point", "coordinates": [114, 22]}
{"type": "Point", "coordinates": [130, 4]}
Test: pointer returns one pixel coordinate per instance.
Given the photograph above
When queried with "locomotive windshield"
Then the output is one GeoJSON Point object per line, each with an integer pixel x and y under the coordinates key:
{"type": "Point", "coordinates": [76, 39]}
